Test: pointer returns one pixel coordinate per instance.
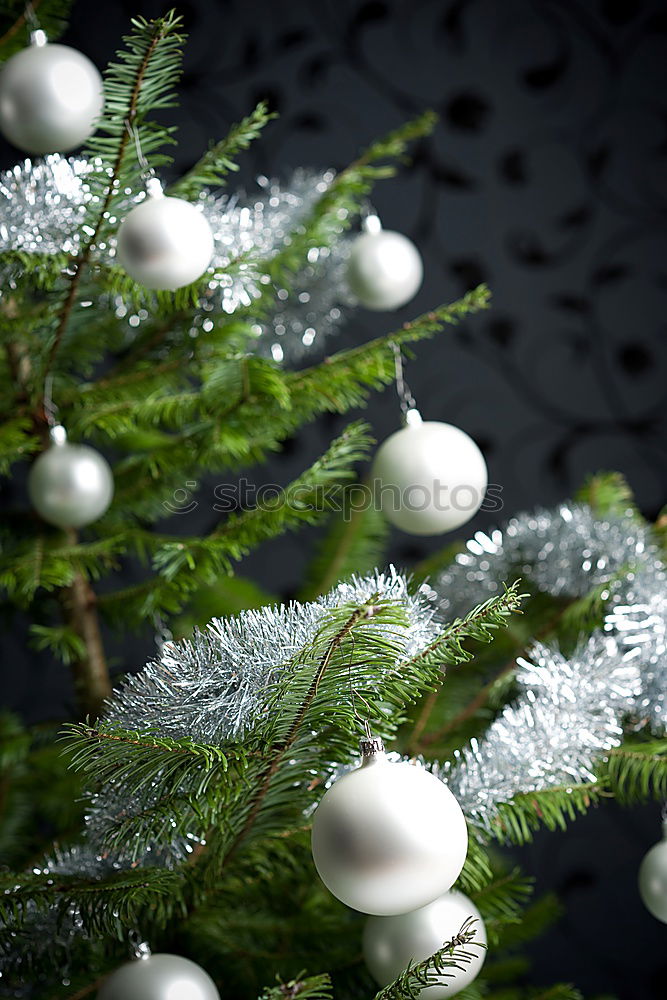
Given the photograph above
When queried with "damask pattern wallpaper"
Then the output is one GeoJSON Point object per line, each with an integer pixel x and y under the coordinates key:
{"type": "Point", "coordinates": [545, 178]}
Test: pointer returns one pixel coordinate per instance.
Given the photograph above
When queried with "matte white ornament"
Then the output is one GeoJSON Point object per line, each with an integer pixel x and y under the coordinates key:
{"type": "Point", "coordinates": [159, 977]}
{"type": "Point", "coordinates": [385, 268]}
{"type": "Point", "coordinates": [50, 97]}
{"type": "Point", "coordinates": [429, 477]}
{"type": "Point", "coordinates": [388, 837]}
{"type": "Point", "coordinates": [392, 943]}
{"type": "Point", "coordinates": [70, 485]}
{"type": "Point", "coordinates": [653, 878]}
{"type": "Point", "coordinates": [165, 243]}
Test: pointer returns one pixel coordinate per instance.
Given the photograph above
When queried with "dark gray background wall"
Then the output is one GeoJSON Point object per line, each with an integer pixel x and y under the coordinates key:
{"type": "Point", "coordinates": [545, 178]}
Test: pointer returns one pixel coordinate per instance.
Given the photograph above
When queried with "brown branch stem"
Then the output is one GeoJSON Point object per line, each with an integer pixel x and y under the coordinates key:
{"type": "Point", "coordinates": [91, 673]}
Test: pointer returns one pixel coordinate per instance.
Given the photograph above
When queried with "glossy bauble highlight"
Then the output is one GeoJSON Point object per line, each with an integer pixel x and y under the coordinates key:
{"type": "Point", "coordinates": [385, 269]}
{"type": "Point", "coordinates": [428, 477]}
{"type": "Point", "coordinates": [70, 485]}
{"type": "Point", "coordinates": [50, 99]}
{"type": "Point", "coordinates": [165, 243]}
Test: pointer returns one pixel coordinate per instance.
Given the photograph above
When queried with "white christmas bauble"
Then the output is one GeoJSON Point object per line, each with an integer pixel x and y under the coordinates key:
{"type": "Point", "coordinates": [653, 878]}
{"type": "Point", "coordinates": [392, 943]}
{"type": "Point", "coordinates": [388, 837]}
{"type": "Point", "coordinates": [50, 98]}
{"type": "Point", "coordinates": [159, 977]}
{"type": "Point", "coordinates": [385, 269]}
{"type": "Point", "coordinates": [429, 477]}
{"type": "Point", "coordinates": [165, 243]}
{"type": "Point", "coordinates": [70, 485]}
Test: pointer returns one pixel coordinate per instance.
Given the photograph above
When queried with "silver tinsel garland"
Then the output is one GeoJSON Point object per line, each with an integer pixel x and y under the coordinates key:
{"type": "Point", "coordinates": [567, 716]}
{"type": "Point", "coordinates": [568, 552]}
{"type": "Point", "coordinates": [570, 711]}
{"type": "Point", "coordinates": [211, 688]}
{"type": "Point", "coordinates": [42, 205]}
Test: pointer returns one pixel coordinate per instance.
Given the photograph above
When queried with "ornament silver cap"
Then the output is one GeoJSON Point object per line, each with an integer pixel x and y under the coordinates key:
{"type": "Point", "coordinates": [412, 417]}
{"type": "Point", "coordinates": [140, 949]}
{"type": "Point", "coordinates": [154, 187]}
{"type": "Point", "coordinates": [58, 434]}
{"type": "Point", "coordinates": [370, 746]}
{"type": "Point", "coordinates": [371, 224]}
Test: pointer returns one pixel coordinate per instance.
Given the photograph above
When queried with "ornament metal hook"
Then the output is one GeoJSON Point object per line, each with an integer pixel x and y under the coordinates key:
{"type": "Point", "coordinates": [148, 175]}
{"type": "Point", "coordinates": [370, 746]}
{"type": "Point", "coordinates": [57, 432]}
{"type": "Point", "coordinates": [408, 402]}
{"type": "Point", "coordinates": [37, 35]}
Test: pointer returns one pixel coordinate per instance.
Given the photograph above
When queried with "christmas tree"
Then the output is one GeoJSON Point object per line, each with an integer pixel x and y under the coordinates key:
{"type": "Point", "coordinates": [515, 681]}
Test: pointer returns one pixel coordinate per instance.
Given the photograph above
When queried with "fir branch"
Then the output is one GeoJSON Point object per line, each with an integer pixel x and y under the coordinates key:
{"type": "Point", "coordinates": [263, 408]}
{"type": "Point", "coordinates": [479, 625]}
{"type": "Point", "coordinates": [608, 494]}
{"type": "Point", "coordinates": [635, 772]}
{"type": "Point", "coordinates": [341, 201]}
{"type": "Point", "coordinates": [214, 166]}
{"type": "Point", "coordinates": [503, 899]}
{"type": "Point", "coordinates": [103, 904]}
{"type": "Point", "coordinates": [453, 956]}
{"type": "Point", "coordinates": [552, 807]}
{"type": "Point", "coordinates": [300, 988]}
{"type": "Point", "coordinates": [287, 743]}
{"type": "Point", "coordinates": [140, 81]}
{"type": "Point", "coordinates": [183, 564]}
{"type": "Point", "coordinates": [476, 872]}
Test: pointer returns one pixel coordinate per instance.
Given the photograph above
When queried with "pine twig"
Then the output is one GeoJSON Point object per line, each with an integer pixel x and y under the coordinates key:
{"type": "Point", "coordinates": [81, 262]}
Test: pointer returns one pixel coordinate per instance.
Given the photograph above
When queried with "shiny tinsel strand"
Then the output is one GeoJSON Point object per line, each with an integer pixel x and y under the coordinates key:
{"type": "Point", "coordinates": [568, 552]}
{"type": "Point", "coordinates": [567, 715]}
{"type": "Point", "coordinates": [42, 204]}
{"type": "Point", "coordinates": [211, 688]}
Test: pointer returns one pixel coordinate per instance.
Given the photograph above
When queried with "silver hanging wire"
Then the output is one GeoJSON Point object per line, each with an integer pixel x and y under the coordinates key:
{"type": "Point", "coordinates": [363, 719]}
{"type": "Point", "coordinates": [50, 408]}
{"type": "Point", "coordinates": [57, 432]}
{"type": "Point", "coordinates": [148, 175]}
{"type": "Point", "coordinates": [406, 399]}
